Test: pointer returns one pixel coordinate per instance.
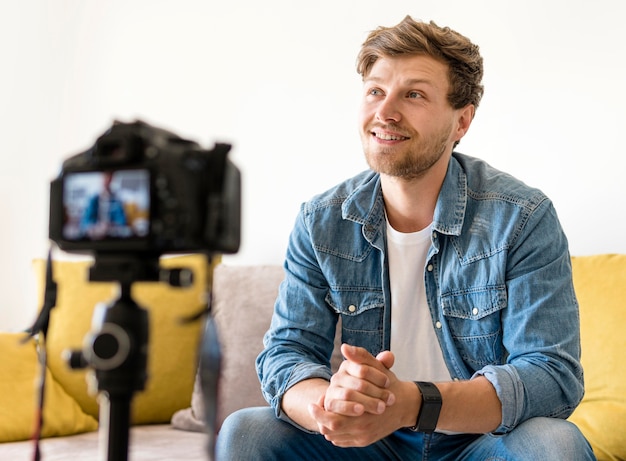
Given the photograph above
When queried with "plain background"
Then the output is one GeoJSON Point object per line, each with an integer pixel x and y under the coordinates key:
{"type": "Point", "coordinates": [277, 79]}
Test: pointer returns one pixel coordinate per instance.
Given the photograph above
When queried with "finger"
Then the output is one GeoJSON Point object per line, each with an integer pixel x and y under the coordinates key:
{"type": "Point", "coordinates": [346, 388]}
{"type": "Point", "coordinates": [333, 427]}
{"type": "Point", "coordinates": [357, 354]}
{"type": "Point", "coordinates": [317, 413]}
{"type": "Point", "coordinates": [342, 431]}
{"type": "Point", "coordinates": [361, 364]}
{"type": "Point", "coordinates": [386, 358]}
{"type": "Point", "coordinates": [353, 408]}
{"type": "Point", "coordinates": [327, 421]}
{"type": "Point", "coordinates": [349, 408]}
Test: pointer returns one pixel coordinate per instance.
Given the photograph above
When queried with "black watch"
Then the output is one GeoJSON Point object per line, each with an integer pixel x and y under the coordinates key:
{"type": "Point", "coordinates": [429, 410]}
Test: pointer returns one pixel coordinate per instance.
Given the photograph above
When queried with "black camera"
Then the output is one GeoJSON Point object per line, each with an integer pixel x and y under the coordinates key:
{"type": "Point", "coordinates": [146, 191]}
{"type": "Point", "coordinates": [137, 193]}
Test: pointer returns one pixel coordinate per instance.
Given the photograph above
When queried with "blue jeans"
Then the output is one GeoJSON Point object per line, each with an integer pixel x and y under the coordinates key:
{"type": "Point", "coordinates": [256, 434]}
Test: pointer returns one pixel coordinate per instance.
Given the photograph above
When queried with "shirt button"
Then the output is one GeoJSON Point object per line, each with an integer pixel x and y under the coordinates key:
{"type": "Point", "coordinates": [475, 311]}
{"type": "Point", "coordinates": [434, 235]}
{"type": "Point", "coordinates": [438, 324]}
{"type": "Point", "coordinates": [352, 308]}
{"type": "Point", "coordinates": [429, 268]}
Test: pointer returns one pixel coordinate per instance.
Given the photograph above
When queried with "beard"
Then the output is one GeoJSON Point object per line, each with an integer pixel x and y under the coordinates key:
{"type": "Point", "coordinates": [409, 162]}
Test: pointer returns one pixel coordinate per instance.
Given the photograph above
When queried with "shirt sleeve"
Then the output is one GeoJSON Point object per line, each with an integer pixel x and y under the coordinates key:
{"type": "Point", "coordinates": [542, 375]}
{"type": "Point", "coordinates": [300, 341]}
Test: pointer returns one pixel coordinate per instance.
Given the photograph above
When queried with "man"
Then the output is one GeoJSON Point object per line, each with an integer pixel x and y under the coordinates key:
{"type": "Point", "coordinates": [104, 215]}
{"type": "Point", "coordinates": [442, 270]}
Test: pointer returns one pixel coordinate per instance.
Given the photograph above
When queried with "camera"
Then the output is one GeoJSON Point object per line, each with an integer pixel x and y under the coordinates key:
{"type": "Point", "coordinates": [141, 190]}
{"type": "Point", "coordinates": [137, 193]}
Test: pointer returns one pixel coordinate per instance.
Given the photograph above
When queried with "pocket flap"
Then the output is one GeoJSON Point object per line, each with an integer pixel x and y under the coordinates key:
{"type": "Point", "coordinates": [474, 303]}
{"type": "Point", "coordinates": [354, 302]}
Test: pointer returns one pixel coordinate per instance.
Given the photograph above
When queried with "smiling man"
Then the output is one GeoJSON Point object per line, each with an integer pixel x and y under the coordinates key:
{"type": "Point", "coordinates": [452, 282]}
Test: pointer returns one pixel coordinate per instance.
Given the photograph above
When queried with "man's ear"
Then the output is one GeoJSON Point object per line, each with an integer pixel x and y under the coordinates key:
{"type": "Point", "coordinates": [464, 120]}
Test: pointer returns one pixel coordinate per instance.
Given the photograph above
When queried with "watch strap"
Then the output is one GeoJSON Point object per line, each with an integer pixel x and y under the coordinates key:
{"type": "Point", "coordinates": [430, 408]}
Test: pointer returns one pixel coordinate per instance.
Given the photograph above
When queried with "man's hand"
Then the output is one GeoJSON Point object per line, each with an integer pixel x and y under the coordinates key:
{"type": "Point", "coordinates": [361, 385]}
{"type": "Point", "coordinates": [358, 406]}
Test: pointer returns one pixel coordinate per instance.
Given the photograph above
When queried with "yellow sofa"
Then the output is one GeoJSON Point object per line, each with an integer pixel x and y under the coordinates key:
{"type": "Point", "coordinates": [600, 283]}
{"type": "Point", "coordinates": [244, 301]}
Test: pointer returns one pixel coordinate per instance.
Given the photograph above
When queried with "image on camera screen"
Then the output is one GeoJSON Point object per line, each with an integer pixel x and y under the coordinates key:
{"type": "Point", "coordinates": [106, 205]}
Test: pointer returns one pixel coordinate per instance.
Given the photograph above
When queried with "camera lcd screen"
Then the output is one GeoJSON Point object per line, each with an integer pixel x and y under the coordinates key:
{"type": "Point", "coordinates": [106, 205]}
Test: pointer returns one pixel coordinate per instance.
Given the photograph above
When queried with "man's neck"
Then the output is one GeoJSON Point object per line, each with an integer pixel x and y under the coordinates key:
{"type": "Point", "coordinates": [410, 203]}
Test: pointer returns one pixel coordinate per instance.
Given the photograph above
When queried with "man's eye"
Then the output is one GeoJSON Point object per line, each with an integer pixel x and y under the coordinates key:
{"type": "Point", "coordinates": [375, 92]}
{"type": "Point", "coordinates": [414, 95]}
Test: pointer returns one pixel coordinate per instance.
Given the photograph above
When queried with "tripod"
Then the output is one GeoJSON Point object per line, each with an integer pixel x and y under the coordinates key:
{"type": "Point", "coordinates": [117, 348]}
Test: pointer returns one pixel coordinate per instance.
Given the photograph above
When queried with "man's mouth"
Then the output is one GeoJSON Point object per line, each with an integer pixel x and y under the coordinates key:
{"type": "Point", "coordinates": [388, 137]}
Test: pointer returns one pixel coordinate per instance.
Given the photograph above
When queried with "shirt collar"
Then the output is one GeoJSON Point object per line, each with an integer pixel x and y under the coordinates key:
{"type": "Point", "coordinates": [452, 201]}
{"type": "Point", "coordinates": [365, 205]}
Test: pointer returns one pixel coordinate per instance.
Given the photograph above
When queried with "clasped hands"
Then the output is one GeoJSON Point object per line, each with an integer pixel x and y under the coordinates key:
{"type": "Point", "coordinates": [358, 407]}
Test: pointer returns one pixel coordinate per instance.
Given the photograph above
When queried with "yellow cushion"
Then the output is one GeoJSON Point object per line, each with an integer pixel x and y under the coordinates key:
{"type": "Point", "coordinates": [172, 346]}
{"type": "Point", "coordinates": [600, 283]}
{"type": "Point", "coordinates": [19, 375]}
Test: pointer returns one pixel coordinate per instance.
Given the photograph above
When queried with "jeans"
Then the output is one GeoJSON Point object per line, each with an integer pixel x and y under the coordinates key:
{"type": "Point", "coordinates": [256, 434]}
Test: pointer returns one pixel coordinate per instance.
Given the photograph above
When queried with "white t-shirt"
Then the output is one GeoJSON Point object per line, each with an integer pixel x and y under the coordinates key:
{"type": "Point", "coordinates": [418, 355]}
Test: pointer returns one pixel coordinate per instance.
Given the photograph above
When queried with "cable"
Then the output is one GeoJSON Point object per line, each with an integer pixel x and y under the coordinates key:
{"type": "Point", "coordinates": [38, 333]}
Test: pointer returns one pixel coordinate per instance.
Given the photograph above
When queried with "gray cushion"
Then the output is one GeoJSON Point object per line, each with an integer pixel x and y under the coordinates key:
{"type": "Point", "coordinates": [243, 302]}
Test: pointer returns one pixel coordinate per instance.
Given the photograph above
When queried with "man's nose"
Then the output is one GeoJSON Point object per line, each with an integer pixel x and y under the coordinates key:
{"type": "Point", "coordinates": [388, 110]}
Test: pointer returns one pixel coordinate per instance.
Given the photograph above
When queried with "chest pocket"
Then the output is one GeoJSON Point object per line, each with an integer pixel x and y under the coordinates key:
{"type": "Point", "coordinates": [362, 314]}
{"type": "Point", "coordinates": [474, 319]}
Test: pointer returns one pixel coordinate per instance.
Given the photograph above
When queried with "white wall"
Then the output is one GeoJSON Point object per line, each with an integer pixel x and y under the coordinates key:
{"type": "Point", "coordinates": [276, 78]}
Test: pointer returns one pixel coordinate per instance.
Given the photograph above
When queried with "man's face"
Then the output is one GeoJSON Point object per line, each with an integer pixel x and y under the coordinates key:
{"type": "Point", "coordinates": [106, 180]}
{"type": "Point", "coordinates": [407, 124]}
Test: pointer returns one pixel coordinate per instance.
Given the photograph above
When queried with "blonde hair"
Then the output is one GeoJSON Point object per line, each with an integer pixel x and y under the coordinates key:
{"type": "Point", "coordinates": [465, 64]}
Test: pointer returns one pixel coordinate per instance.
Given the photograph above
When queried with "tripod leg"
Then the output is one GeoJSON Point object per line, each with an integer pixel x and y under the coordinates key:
{"type": "Point", "coordinates": [115, 425]}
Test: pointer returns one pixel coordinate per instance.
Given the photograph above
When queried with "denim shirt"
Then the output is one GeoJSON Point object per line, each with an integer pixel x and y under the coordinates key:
{"type": "Point", "coordinates": [498, 284]}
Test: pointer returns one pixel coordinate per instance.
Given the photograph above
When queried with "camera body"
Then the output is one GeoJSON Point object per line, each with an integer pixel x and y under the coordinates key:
{"type": "Point", "coordinates": [144, 191]}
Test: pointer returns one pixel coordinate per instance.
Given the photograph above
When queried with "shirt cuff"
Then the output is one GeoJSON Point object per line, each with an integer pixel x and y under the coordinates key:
{"type": "Point", "coordinates": [299, 373]}
{"type": "Point", "coordinates": [510, 391]}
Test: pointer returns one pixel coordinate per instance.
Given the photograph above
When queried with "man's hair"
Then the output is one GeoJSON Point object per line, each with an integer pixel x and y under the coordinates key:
{"type": "Point", "coordinates": [411, 37]}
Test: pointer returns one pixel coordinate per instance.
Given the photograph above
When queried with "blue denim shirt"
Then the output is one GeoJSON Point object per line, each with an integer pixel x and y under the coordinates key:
{"type": "Point", "coordinates": [498, 282]}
